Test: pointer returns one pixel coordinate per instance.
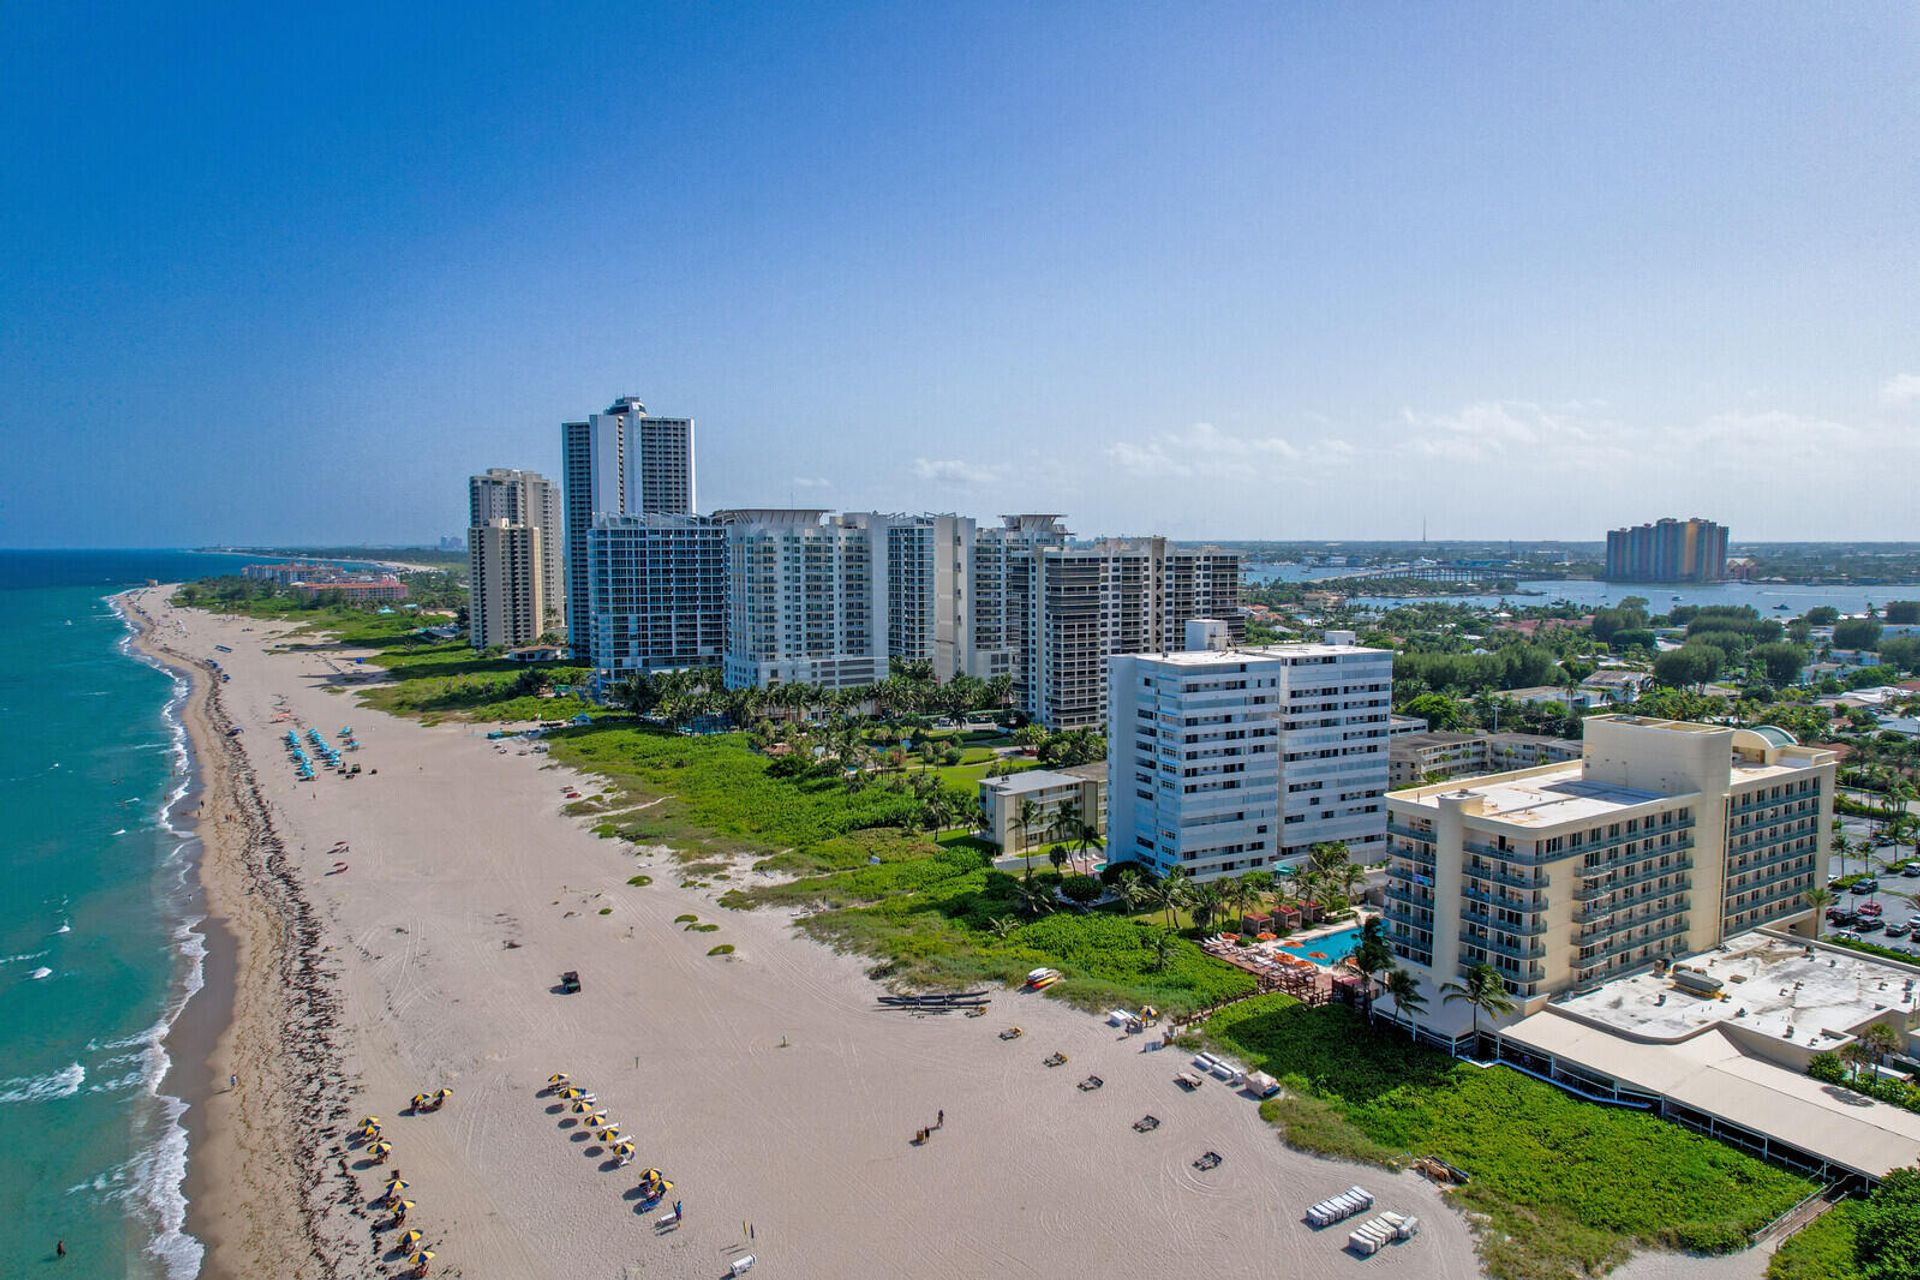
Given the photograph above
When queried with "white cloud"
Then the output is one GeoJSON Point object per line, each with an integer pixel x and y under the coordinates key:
{"type": "Point", "coordinates": [811, 482]}
{"type": "Point", "coordinates": [1491, 429]}
{"type": "Point", "coordinates": [1901, 389]}
{"type": "Point", "coordinates": [954, 471]}
{"type": "Point", "coordinates": [1204, 450]}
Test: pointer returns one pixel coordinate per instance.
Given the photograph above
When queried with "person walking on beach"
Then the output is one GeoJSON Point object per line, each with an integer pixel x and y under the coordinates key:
{"type": "Point", "coordinates": [676, 1211]}
{"type": "Point", "coordinates": [233, 1081]}
{"type": "Point", "coordinates": [941, 1123]}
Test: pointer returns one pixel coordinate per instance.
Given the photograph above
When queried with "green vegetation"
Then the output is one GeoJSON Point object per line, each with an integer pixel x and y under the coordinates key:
{"type": "Point", "coordinates": [1823, 1249]}
{"type": "Point", "coordinates": [639, 881]}
{"type": "Point", "coordinates": [687, 918]}
{"type": "Point", "coordinates": [1877, 1238]}
{"type": "Point", "coordinates": [606, 911]}
{"type": "Point", "coordinates": [724, 949]}
{"type": "Point", "coordinates": [1568, 1187]}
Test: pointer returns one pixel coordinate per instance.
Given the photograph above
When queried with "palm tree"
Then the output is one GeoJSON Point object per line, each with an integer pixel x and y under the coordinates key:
{"type": "Point", "coordinates": [1856, 1055]}
{"type": "Point", "coordinates": [1484, 989]}
{"type": "Point", "coordinates": [1405, 990]}
{"type": "Point", "coordinates": [1206, 901]}
{"type": "Point", "coordinates": [1065, 823]}
{"type": "Point", "coordinates": [1057, 856]}
{"type": "Point", "coordinates": [1127, 890]}
{"type": "Point", "coordinates": [1025, 817]}
{"type": "Point", "coordinates": [1035, 899]}
{"type": "Point", "coordinates": [1162, 896]}
{"type": "Point", "coordinates": [1370, 956]}
{"type": "Point", "coordinates": [1000, 927]}
{"type": "Point", "coordinates": [1879, 1040]}
{"type": "Point", "coordinates": [1162, 949]}
{"type": "Point", "coordinates": [1347, 879]}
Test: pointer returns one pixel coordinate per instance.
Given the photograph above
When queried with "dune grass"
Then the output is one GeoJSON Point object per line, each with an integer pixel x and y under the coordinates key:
{"type": "Point", "coordinates": [1567, 1188]}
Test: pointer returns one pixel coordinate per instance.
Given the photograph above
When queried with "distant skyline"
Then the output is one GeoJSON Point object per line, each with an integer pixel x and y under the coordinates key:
{"type": "Point", "coordinates": [1222, 271]}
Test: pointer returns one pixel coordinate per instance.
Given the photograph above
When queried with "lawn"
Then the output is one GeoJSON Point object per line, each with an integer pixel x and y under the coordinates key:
{"type": "Point", "coordinates": [1568, 1188]}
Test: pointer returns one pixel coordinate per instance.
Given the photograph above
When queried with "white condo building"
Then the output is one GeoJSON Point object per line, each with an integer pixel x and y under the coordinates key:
{"type": "Point", "coordinates": [621, 462]}
{"type": "Point", "coordinates": [1223, 759]}
{"type": "Point", "coordinates": [1665, 839]}
{"type": "Point", "coordinates": [658, 587]}
{"type": "Point", "coordinates": [514, 565]}
{"type": "Point", "coordinates": [805, 598]}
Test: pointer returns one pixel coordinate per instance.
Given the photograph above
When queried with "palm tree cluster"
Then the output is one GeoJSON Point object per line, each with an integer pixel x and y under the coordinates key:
{"type": "Point", "coordinates": [679, 697]}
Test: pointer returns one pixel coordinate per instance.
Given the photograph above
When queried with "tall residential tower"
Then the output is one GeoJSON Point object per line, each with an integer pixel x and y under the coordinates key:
{"type": "Point", "coordinates": [514, 565]}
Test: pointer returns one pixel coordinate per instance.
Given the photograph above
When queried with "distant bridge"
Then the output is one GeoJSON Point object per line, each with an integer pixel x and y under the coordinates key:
{"type": "Point", "coordinates": [1423, 573]}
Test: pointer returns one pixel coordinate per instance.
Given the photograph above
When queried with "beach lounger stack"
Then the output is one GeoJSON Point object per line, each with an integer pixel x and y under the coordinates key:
{"type": "Point", "coordinates": [1385, 1229]}
{"type": "Point", "coordinates": [1337, 1208]}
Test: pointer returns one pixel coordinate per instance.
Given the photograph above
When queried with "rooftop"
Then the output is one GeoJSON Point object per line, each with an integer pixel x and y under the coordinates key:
{"type": "Point", "coordinates": [1543, 797]}
{"type": "Point", "coordinates": [1787, 990]}
{"type": "Point", "coordinates": [1261, 653]}
{"type": "Point", "coordinates": [1014, 784]}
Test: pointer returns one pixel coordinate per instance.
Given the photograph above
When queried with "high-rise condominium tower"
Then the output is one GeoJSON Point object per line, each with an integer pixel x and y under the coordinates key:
{"type": "Point", "coordinates": [621, 462]}
{"type": "Point", "coordinates": [514, 565]}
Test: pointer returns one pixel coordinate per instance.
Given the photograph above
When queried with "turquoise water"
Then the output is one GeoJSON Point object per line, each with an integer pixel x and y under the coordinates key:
{"type": "Point", "coordinates": [1335, 946]}
{"type": "Point", "coordinates": [96, 950]}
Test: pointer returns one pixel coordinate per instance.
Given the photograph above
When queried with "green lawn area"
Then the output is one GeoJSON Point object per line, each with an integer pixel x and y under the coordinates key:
{"type": "Point", "coordinates": [1823, 1250]}
{"type": "Point", "coordinates": [1568, 1188]}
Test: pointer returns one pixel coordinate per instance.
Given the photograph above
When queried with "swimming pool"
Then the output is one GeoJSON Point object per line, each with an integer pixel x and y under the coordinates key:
{"type": "Point", "coordinates": [1331, 948]}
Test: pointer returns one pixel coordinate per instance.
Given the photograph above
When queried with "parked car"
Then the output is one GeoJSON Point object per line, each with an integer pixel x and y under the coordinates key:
{"type": "Point", "coordinates": [1845, 935]}
{"type": "Point", "coordinates": [1911, 870]}
{"type": "Point", "coordinates": [1899, 928]}
{"type": "Point", "coordinates": [1870, 924]}
{"type": "Point", "coordinates": [1869, 885]}
{"type": "Point", "coordinates": [1871, 909]}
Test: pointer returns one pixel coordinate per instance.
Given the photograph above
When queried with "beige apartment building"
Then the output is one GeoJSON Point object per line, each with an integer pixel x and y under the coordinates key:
{"type": "Point", "coordinates": [1083, 786]}
{"type": "Point", "coordinates": [1663, 840]}
{"type": "Point", "coordinates": [506, 590]}
{"type": "Point", "coordinates": [1414, 758]}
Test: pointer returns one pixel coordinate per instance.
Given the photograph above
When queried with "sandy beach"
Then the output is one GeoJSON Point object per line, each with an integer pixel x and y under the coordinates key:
{"type": "Point", "coordinates": [767, 1085]}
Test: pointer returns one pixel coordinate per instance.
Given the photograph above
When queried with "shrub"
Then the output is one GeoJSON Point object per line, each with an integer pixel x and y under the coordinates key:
{"type": "Point", "coordinates": [703, 928]}
{"type": "Point", "coordinates": [639, 881]}
{"type": "Point", "coordinates": [1081, 889]}
{"type": "Point", "coordinates": [688, 918]}
{"type": "Point", "coordinates": [606, 911]}
{"type": "Point", "coordinates": [724, 949]}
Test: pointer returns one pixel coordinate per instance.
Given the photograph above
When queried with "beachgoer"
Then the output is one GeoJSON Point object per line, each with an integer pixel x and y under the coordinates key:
{"type": "Point", "coordinates": [676, 1211]}
{"type": "Point", "coordinates": [233, 1081]}
{"type": "Point", "coordinates": [941, 1123]}
{"type": "Point", "coordinates": [60, 1249]}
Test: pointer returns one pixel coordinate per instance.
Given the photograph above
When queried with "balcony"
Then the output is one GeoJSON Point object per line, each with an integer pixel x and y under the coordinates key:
{"type": "Point", "coordinates": [1532, 928]}
{"type": "Point", "coordinates": [1679, 867]}
{"type": "Point", "coordinates": [1401, 829]}
{"type": "Point", "coordinates": [1409, 897]}
{"type": "Point", "coordinates": [1536, 903]}
{"type": "Point", "coordinates": [1513, 950]}
{"type": "Point", "coordinates": [1508, 878]}
{"type": "Point", "coordinates": [1804, 874]}
{"type": "Point", "coordinates": [1513, 857]}
{"type": "Point", "coordinates": [1407, 920]}
{"type": "Point", "coordinates": [1792, 804]}
{"type": "Point", "coordinates": [1672, 853]}
{"type": "Point", "coordinates": [1626, 944]}
{"type": "Point", "coordinates": [1596, 915]}
{"type": "Point", "coordinates": [1768, 842]}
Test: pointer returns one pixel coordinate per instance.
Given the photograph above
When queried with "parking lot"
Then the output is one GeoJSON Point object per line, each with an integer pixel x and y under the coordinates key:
{"type": "Point", "coordinates": [1880, 909]}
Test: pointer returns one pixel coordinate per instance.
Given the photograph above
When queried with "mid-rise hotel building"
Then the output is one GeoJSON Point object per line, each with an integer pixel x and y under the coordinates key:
{"type": "Point", "coordinates": [1224, 760]}
{"type": "Point", "coordinates": [1663, 840]}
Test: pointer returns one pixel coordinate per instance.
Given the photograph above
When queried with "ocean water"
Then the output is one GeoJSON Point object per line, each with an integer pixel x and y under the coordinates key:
{"type": "Point", "coordinates": [97, 945]}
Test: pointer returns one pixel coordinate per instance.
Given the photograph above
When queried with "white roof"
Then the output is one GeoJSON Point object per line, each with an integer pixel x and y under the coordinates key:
{"type": "Point", "coordinates": [1542, 797]}
{"type": "Point", "coordinates": [1031, 780]}
{"type": "Point", "coordinates": [1710, 1074]}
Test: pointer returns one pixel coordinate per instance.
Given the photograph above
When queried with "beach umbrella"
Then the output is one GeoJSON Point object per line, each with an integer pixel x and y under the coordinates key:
{"type": "Point", "coordinates": [396, 1185]}
{"type": "Point", "coordinates": [410, 1239]}
{"type": "Point", "coordinates": [624, 1150]}
{"type": "Point", "coordinates": [440, 1097]}
{"type": "Point", "coordinates": [380, 1150]}
{"type": "Point", "coordinates": [403, 1206]}
{"type": "Point", "coordinates": [573, 1093]}
{"type": "Point", "coordinates": [420, 1101]}
{"type": "Point", "coordinates": [371, 1131]}
{"type": "Point", "coordinates": [609, 1133]}
{"type": "Point", "coordinates": [369, 1122]}
{"type": "Point", "coordinates": [649, 1175]}
{"type": "Point", "coordinates": [420, 1259]}
{"type": "Point", "coordinates": [595, 1119]}
{"type": "Point", "coordinates": [559, 1077]}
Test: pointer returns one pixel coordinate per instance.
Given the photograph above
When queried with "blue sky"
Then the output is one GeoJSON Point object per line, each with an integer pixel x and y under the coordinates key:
{"type": "Point", "coordinates": [278, 273]}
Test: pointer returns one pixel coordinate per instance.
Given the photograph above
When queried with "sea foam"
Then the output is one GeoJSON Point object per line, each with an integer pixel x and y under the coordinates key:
{"type": "Point", "coordinates": [63, 1083]}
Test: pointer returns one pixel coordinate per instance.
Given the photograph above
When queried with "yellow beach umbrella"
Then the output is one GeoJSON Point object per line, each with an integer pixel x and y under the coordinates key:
{"type": "Point", "coordinates": [571, 1093]}
{"type": "Point", "coordinates": [367, 1122]}
{"type": "Point", "coordinates": [559, 1077]}
{"type": "Point", "coordinates": [380, 1150]}
{"type": "Point", "coordinates": [581, 1106]}
{"type": "Point", "coordinates": [396, 1185]}
{"type": "Point", "coordinates": [623, 1149]}
{"type": "Point", "coordinates": [420, 1100]}
{"type": "Point", "coordinates": [665, 1186]}
{"type": "Point", "coordinates": [595, 1119]}
{"type": "Point", "coordinates": [404, 1205]}
{"type": "Point", "coordinates": [609, 1134]}
{"type": "Point", "coordinates": [410, 1239]}
{"type": "Point", "coordinates": [370, 1131]}
{"type": "Point", "coordinates": [440, 1097]}
{"type": "Point", "coordinates": [649, 1175]}
{"type": "Point", "coordinates": [420, 1259]}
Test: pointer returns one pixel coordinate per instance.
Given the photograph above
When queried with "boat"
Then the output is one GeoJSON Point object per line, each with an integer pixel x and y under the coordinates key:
{"type": "Point", "coordinates": [1041, 984]}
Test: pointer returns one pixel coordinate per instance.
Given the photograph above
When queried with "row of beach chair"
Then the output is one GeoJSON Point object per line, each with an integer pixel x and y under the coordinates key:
{"type": "Point", "coordinates": [1335, 1208]}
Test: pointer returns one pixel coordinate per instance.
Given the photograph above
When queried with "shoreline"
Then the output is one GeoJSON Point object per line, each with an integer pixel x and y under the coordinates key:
{"type": "Point", "coordinates": [255, 1162]}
